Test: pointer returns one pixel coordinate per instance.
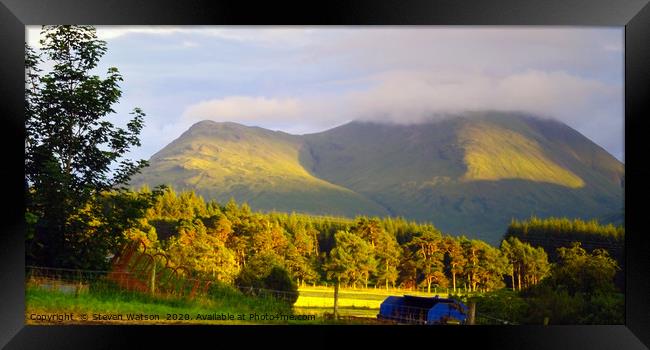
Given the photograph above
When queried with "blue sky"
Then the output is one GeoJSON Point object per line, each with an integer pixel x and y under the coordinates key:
{"type": "Point", "coordinates": [309, 79]}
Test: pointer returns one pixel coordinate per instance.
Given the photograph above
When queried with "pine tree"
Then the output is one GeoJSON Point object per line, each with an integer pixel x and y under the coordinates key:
{"type": "Point", "coordinates": [351, 260]}
{"type": "Point", "coordinates": [429, 255]}
{"type": "Point", "coordinates": [457, 260]}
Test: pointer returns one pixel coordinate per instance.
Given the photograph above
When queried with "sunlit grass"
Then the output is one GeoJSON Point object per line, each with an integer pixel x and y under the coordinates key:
{"type": "Point", "coordinates": [43, 301]}
{"type": "Point", "coordinates": [359, 302]}
{"type": "Point", "coordinates": [495, 153]}
{"type": "Point", "coordinates": [317, 301]}
{"type": "Point", "coordinates": [329, 302]}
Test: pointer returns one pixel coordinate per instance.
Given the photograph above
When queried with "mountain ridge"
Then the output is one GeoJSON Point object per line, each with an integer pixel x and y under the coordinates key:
{"type": "Point", "coordinates": [467, 174]}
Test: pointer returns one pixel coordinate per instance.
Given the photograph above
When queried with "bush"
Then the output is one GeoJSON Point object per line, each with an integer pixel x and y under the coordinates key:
{"type": "Point", "coordinates": [258, 278]}
{"type": "Point", "coordinates": [558, 305]}
{"type": "Point", "coordinates": [563, 307]}
{"type": "Point", "coordinates": [502, 304]}
{"type": "Point", "coordinates": [248, 279]}
{"type": "Point", "coordinates": [605, 308]}
{"type": "Point", "coordinates": [279, 280]}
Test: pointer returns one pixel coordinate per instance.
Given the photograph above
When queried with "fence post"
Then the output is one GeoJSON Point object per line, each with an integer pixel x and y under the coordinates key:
{"type": "Point", "coordinates": [472, 313]}
{"type": "Point", "coordinates": [336, 298]}
{"type": "Point", "coordinates": [77, 289]}
{"type": "Point", "coordinates": [153, 279]}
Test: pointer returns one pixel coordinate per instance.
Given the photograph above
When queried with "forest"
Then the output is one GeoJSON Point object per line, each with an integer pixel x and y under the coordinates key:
{"type": "Point", "coordinates": [235, 245]}
{"type": "Point", "coordinates": [553, 233]}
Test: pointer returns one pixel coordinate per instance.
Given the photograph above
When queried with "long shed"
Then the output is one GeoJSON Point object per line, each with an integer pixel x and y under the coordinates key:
{"type": "Point", "coordinates": [423, 310]}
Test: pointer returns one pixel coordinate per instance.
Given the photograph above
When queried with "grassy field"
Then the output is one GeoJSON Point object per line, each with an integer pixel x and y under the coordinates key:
{"type": "Point", "coordinates": [352, 302]}
{"type": "Point", "coordinates": [224, 306]}
{"type": "Point", "coordinates": [92, 306]}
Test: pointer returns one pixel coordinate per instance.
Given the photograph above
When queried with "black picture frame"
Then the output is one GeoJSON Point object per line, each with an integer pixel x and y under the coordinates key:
{"type": "Point", "coordinates": [633, 14]}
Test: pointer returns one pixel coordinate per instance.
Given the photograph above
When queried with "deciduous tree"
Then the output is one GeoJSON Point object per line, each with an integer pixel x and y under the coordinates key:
{"type": "Point", "coordinates": [73, 152]}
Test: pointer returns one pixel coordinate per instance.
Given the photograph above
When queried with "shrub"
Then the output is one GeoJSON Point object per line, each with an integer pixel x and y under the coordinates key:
{"type": "Point", "coordinates": [279, 280]}
{"type": "Point", "coordinates": [267, 277]}
{"type": "Point", "coordinates": [502, 304]}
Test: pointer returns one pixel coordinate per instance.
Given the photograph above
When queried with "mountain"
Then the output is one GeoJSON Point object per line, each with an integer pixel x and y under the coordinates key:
{"type": "Point", "coordinates": [468, 174]}
{"type": "Point", "coordinates": [253, 165]}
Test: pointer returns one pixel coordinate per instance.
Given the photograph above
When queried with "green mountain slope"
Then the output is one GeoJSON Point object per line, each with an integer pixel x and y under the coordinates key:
{"type": "Point", "coordinates": [468, 174]}
{"type": "Point", "coordinates": [254, 165]}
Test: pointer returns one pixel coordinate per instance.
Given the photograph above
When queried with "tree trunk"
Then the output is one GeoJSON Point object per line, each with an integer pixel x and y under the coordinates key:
{"type": "Point", "coordinates": [512, 277]}
{"type": "Point", "coordinates": [519, 279]}
{"type": "Point", "coordinates": [429, 286]}
{"type": "Point", "coordinates": [453, 280]}
{"type": "Point", "coordinates": [386, 276]}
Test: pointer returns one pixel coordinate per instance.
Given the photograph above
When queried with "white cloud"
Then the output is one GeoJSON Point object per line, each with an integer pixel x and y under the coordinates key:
{"type": "Point", "coordinates": [409, 96]}
{"type": "Point", "coordinates": [412, 96]}
{"type": "Point", "coordinates": [107, 33]}
{"type": "Point", "coordinates": [613, 47]}
{"type": "Point", "coordinates": [32, 35]}
{"type": "Point", "coordinates": [246, 109]}
{"type": "Point", "coordinates": [258, 35]}
{"type": "Point", "coordinates": [189, 44]}
{"type": "Point", "coordinates": [492, 48]}
{"type": "Point", "coordinates": [588, 105]}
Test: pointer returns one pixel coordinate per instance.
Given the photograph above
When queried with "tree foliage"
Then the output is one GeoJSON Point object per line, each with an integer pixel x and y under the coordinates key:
{"type": "Point", "coordinates": [582, 272]}
{"type": "Point", "coordinates": [73, 152]}
{"type": "Point", "coordinates": [429, 254]}
{"type": "Point", "coordinates": [352, 260]}
{"type": "Point", "coordinates": [526, 265]}
{"type": "Point", "coordinates": [553, 233]}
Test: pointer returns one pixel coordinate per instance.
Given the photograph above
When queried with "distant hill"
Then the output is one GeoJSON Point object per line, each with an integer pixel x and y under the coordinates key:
{"type": "Point", "coordinates": [468, 174]}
